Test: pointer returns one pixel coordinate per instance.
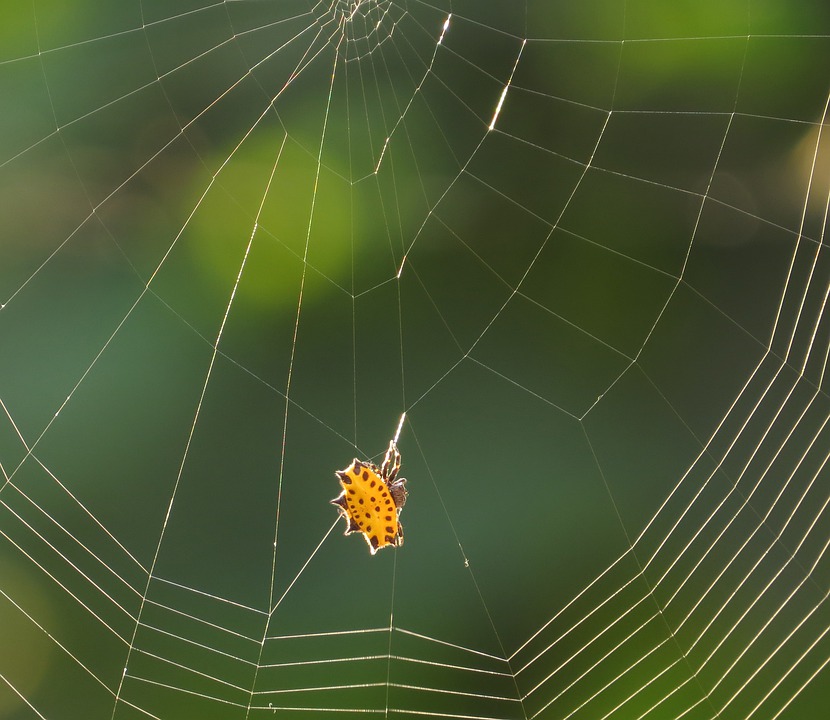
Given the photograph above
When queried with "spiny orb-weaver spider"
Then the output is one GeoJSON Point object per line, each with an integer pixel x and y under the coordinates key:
{"type": "Point", "coordinates": [372, 499]}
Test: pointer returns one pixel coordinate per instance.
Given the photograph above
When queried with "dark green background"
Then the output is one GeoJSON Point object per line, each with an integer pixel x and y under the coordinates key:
{"type": "Point", "coordinates": [566, 307]}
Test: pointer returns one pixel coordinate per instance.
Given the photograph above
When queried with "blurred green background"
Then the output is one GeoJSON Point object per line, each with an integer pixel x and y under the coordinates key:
{"type": "Point", "coordinates": [238, 240]}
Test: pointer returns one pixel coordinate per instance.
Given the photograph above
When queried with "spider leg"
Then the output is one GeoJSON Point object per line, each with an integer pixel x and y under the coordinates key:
{"type": "Point", "coordinates": [391, 464]}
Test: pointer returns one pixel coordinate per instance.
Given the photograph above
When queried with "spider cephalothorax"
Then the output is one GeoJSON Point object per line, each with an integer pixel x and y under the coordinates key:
{"type": "Point", "coordinates": [372, 499]}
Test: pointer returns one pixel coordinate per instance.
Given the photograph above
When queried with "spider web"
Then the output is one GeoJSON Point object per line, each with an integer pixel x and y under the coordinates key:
{"type": "Point", "coordinates": [581, 246]}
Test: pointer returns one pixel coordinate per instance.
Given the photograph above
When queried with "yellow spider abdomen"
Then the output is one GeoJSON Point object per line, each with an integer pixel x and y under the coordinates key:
{"type": "Point", "coordinates": [369, 506]}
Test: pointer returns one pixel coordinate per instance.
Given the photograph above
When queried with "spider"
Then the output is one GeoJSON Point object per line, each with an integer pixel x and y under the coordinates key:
{"type": "Point", "coordinates": [372, 499]}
